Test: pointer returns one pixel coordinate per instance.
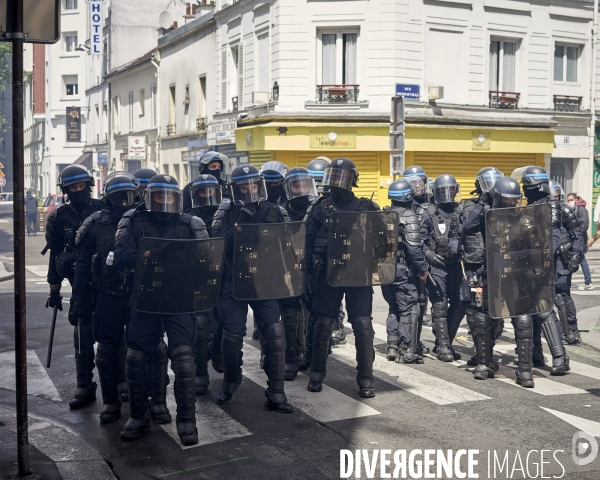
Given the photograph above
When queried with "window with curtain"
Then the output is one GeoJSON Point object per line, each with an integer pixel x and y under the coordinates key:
{"type": "Point", "coordinates": [329, 41]}
{"type": "Point", "coordinates": [339, 57]}
{"type": "Point", "coordinates": [565, 63]}
{"type": "Point", "coordinates": [503, 64]}
{"type": "Point", "coordinates": [70, 42]}
{"type": "Point", "coordinates": [349, 58]}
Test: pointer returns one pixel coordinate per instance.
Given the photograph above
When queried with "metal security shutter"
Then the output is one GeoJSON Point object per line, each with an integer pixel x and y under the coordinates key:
{"type": "Point", "coordinates": [367, 164]}
{"type": "Point", "coordinates": [224, 80]}
{"type": "Point", "coordinates": [464, 166]}
{"type": "Point", "coordinates": [240, 77]}
{"type": "Point", "coordinates": [259, 157]}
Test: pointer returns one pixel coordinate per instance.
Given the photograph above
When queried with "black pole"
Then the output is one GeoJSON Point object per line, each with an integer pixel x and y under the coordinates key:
{"type": "Point", "coordinates": [16, 37]}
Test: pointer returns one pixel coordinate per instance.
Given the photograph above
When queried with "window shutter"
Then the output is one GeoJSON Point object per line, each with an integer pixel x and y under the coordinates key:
{"type": "Point", "coordinates": [224, 80]}
{"type": "Point", "coordinates": [240, 77]}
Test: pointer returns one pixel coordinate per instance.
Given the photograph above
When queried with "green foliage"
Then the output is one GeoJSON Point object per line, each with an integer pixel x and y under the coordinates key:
{"type": "Point", "coordinates": [5, 71]}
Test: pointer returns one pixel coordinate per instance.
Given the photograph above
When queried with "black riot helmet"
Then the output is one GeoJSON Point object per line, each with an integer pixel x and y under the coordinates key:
{"type": "Point", "coordinates": [207, 159]}
{"type": "Point", "coordinates": [400, 191]}
{"type": "Point", "coordinates": [341, 173]}
{"type": "Point", "coordinates": [299, 183]}
{"type": "Point", "coordinates": [163, 195]}
{"type": "Point", "coordinates": [418, 180]}
{"type": "Point", "coordinates": [206, 191]}
{"type": "Point", "coordinates": [535, 181]}
{"type": "Point", "coordinates": [317, 167]}
{"type": "Point", "coordinates": [486, 177]}
{"type": "Point", "coordinates": [273, 172]}
{"type": "Point", "coordinates": [557, 191]}
{"type": "Point", "coordinates": [506, 193]}
{"type": "Point", "coordinates": [144, 175]}
{"type": "Point", "coordinates": [247, 186]}
{"type": "Point", "coordinates": [446, 189]}
{"type": "Point", "coordinates": [415, 171]}
{"type": "Point", "coordinates": [121, 189]}
{"type": "Point", "coordinates": [76, 182]}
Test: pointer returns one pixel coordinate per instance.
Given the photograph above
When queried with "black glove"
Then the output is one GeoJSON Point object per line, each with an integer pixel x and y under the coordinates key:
{"type": "Point", "coordinates": [573, 264]}
{"type": "Point", "coordinates": [54, 300]}
{"type": "Point", "coordinates": [434, 259]}
{"type": "Point", "coordinates": [486, 198]}
{"type": "Point", "coordinates": [80, 309]}
{"type": "Point", "coordinates": [246, 213]}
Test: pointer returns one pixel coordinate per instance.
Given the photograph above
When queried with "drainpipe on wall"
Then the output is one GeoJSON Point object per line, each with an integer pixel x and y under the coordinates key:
{"type": "Point", "coordinates": [158, 144]}
{"type": "Point", "coordinates": [592, 132]}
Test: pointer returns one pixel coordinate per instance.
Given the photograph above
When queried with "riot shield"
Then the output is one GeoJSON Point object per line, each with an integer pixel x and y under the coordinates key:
{"type": "Point", "coordinates": [520, 268]}
{"type": "Point", "coordinates": [268, 261]}
{"type": "Point", "coordinates": [177, 276]}
{"type": "Point", "coordinates": [362, 249]}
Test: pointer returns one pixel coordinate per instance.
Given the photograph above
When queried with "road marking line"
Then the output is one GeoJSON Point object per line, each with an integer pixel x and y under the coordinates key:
{"type": "Point", "coordinates": [326, 406]}
{"type": "Point", "coordinates": [39, 383]}
{"type": "Point", "coordinates": [214, 425]}
{"type": "Point", "coordinates": [412, 380]}
{"type": "Point", "coordinates": [546, 387]}
{"type": "Point", "coordinates": [588, 426]}
{"type": "Point", "coordinates": [39, 270]}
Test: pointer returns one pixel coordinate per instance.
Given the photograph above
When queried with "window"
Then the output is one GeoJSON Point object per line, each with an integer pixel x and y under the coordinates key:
{"type": "Point", "coordinates": [172, 105]}
{"type": "Point", "coordinates": [264, 64]}
{"type": "Point", "coordinates": [130, 109]}
{"type": "Point", "coordinates": [565, 63]}
{"type": "Point", "coordinates": [235, 75]}
{"type": "Point", "coordinates": [503, 65]}
{"type": "Point", "coordinates": [142, 99]}
{"type": "Point", "coordinates": [339, 58]}
{"type": "Point", "coordinates": [133, 166]}
{"type": "Point", "coordinates": [117, 114]}
{"type": "Point", "coordinates": [71, 86]}
{"type": "Point", "coordinates": [202, 97]}
{"type": "Point", "coordinates": [153, 90]}
{"type": "Point", "coordinates": [70, 42]}
{"type": "Point", "coordinates": [70, 4]}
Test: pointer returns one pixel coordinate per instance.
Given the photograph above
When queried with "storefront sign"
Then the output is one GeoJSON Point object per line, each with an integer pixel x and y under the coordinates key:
{"type": "Point", "coordinates": [408, 91]}
{"type": "Point", "coordinates": [96, 28]}
{"type": "Point", "coordinates": [221, 133]}
{"type": "Point", "coordinates": [481, 140]}
{"type": "Point", "coordinates": [332, 139]}
{"type": "Point", "coordinates": [102, 158]}
{"type": "Point", "coordinates": [73, 124]}
{"type": "Point", "coordinates": [136, 148]}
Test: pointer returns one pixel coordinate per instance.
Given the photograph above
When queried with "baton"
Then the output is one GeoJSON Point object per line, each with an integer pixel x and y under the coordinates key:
{"type": "Point", "coordinates": [429, 277]}
{"type": "Point", "coordinates": [79, 334]}
{"type": "Point", "coordinates": [51, 340]}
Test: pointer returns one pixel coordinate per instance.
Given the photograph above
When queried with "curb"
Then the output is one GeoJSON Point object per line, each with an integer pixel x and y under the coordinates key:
{"type": "Point", "coordinates": [74, 458]}
{"type": "Point", "coordinates": [4, 275]}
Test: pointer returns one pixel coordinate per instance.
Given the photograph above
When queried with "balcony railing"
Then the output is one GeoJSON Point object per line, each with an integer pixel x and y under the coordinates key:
{"type": "Point", "coordinates": [509, 100]}
{"type": "Point", "coordinates": [337, 93]}
{"type": "Point", "coordinates": [567, 103]}
{"type": "Point", "coordinates": [171, 130]}
{"type": "Point", "coordinates": [201, 123]}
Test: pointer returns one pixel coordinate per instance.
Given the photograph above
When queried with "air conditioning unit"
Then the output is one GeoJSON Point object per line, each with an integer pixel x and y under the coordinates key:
{"type": "Point", "coordinates": [260, 98]}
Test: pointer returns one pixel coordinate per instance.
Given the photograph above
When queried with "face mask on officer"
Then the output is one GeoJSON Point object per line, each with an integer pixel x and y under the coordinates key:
{"type": "Point", "coordinates": [213, 168]}
{"type": "Point", "coordinates": [78, 194]}
{"type": "Point", "coordinates": [275, 191]}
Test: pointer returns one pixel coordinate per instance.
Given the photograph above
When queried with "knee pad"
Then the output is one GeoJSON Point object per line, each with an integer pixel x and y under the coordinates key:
{"type": "Point", "coordinates": [274, 334]}
{"type": "Point", "coordinates": [543, 317]}
{"type": "Point", "coordinates": [136, 359]}
{"type": "Point", "coordinates": [106, 355]}
{"type": "Point", "coordinates": [362, 323]}
{"type": "Point", "coordinates": [479, 320]}
{"type": "Point", "coordinates": [439, 307]}
{"type": "Point", "coordinates": [524, 325]}
{"type": "Point", "coordinates": [182, 359]}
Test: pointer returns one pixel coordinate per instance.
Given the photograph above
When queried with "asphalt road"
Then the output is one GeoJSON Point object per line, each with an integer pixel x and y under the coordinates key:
{"type": "Point", "coordinates": [430, 406]}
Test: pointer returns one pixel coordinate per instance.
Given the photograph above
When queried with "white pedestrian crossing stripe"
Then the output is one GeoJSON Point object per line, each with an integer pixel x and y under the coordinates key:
{"type": "Point", "coordinates": [39, 383]}
{"type": "Point", "coordinates": [546, 387]}
{"type": "Point", "coordinates": [39, 270]}
{"type": "Point", "coordinates": [588, 426]}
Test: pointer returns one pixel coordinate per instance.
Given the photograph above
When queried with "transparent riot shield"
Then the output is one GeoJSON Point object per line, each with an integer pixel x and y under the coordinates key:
{"type": "Point", "coordinates": [362, 248]}
{"type": "Point", "coordinates": [520, 269]}
{"type": "Point", "coordinates": [177, 276]}
{"type": "Point", "coordinates": [268, 261]}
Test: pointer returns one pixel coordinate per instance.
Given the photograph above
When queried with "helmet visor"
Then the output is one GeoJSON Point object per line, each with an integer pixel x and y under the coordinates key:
{"type": "Point", "coordinates": [249, 190]}
{"type": "Point", "coordinates": [337, 177]}
{"type": "Point", "coordinates": [417, 186]}
{"type": "Point", "coordinates": [518, 173]}
{"type": "Point", "coordinates": [507, 201]}
{"type": "Point", "coordinates": [300, 185]}
{"type": "Point", "coordinates": [487, 180]}
{"type": "Point", "coordinates": [556, 190]}
{"type": "Point", "coordinates": [206, 196]}
{"type": "Point", "coordinates": [163, 199]}
{"type": "Point", "coordinates": [122, 198]}
{"type": "Point", "coordinates": [447, 194]}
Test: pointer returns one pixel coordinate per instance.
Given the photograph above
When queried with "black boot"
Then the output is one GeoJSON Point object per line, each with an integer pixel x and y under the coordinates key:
{"type": "Point", "coordinates": [321, 340]}
{"type": "Point", "coordinates": [201, 349]}
{"type": "Point", "coordinates": [232, 362]}
{"type": "Point", "coordinates": [414, 350]}
{"type": "Point", "coordinates": [106, 362]}
{"type": "Point", "coordinates": [84, 363]}
{"type": "Point", "coordinates": [538, 357]}
{"type": "Point", "coordinates": [560, 360]}
{"type": "Point", "coordinates": [290, 323]}
{"type": "Point", "coordinates": [216, 352]}
{"type": "Point", "coordinates": [439, 317]}
{"type": "Point", "coordinates": [275, 335]}
{"type": "Point", "coordinates": [182, 362]}
{"type": "Point", "coordinates": [365, 355]}
{"type": "Point", "coordinates": [302, 361]}
{"type": "Point", "coordinates": [139, 413]}
{"type": "Point", "coordinates": [121, 378]}
{"type": "Point", "coordinates": [480, 325]}
{"type": "Point", "coordinates": [159, 379]}
{"type": "Point", "coordinates": [524, 334]}
{"type": "Point", "coordinates": [392, 347]}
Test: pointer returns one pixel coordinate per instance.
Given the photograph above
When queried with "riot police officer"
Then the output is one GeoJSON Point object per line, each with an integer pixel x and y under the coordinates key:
{"type": "Point", "coordinates": [421, 195]}
{"type": "Point", "coordinates": [211, 163]}
{"type": "Point", "coordinates": [300, 189]}
{"type": "Point", "coordinates": [446, 308]}
{"type": "Point", "coordinates": [75, 181]}
{"type": "Point", "coordinates": [562, 283]}
{"type": "Point", "coordinates": [161, 218]}
{"type": "Point", "coordinates": [249, 205]}
{"type": "Point", "coordinates": [143, 176]}
{"type": "Point", "coordinates": [95, 265]}
{"type": "Point", "coordinates": [316, 168]}
{"type": "Point", "coordinates": [402, 297]}
{"type": "Point", "coordinates": [206, 194]}
{"type": "Point", "coordinates": [340, 176]}
{"type": "Point", "coordinates": [536, 188]}
{"type": "Point", "coordinates": [273, 173]}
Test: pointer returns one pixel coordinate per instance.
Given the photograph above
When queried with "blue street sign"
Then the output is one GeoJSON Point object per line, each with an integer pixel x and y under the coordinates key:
{"type": "Point", "coordinates": [102, 158]}
{"type": "Point", "coordinates": [409, 92]}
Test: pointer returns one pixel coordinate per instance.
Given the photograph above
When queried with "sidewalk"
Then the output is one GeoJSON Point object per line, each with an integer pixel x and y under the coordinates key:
{"type": "Point", "coordinates": [55, 452]}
